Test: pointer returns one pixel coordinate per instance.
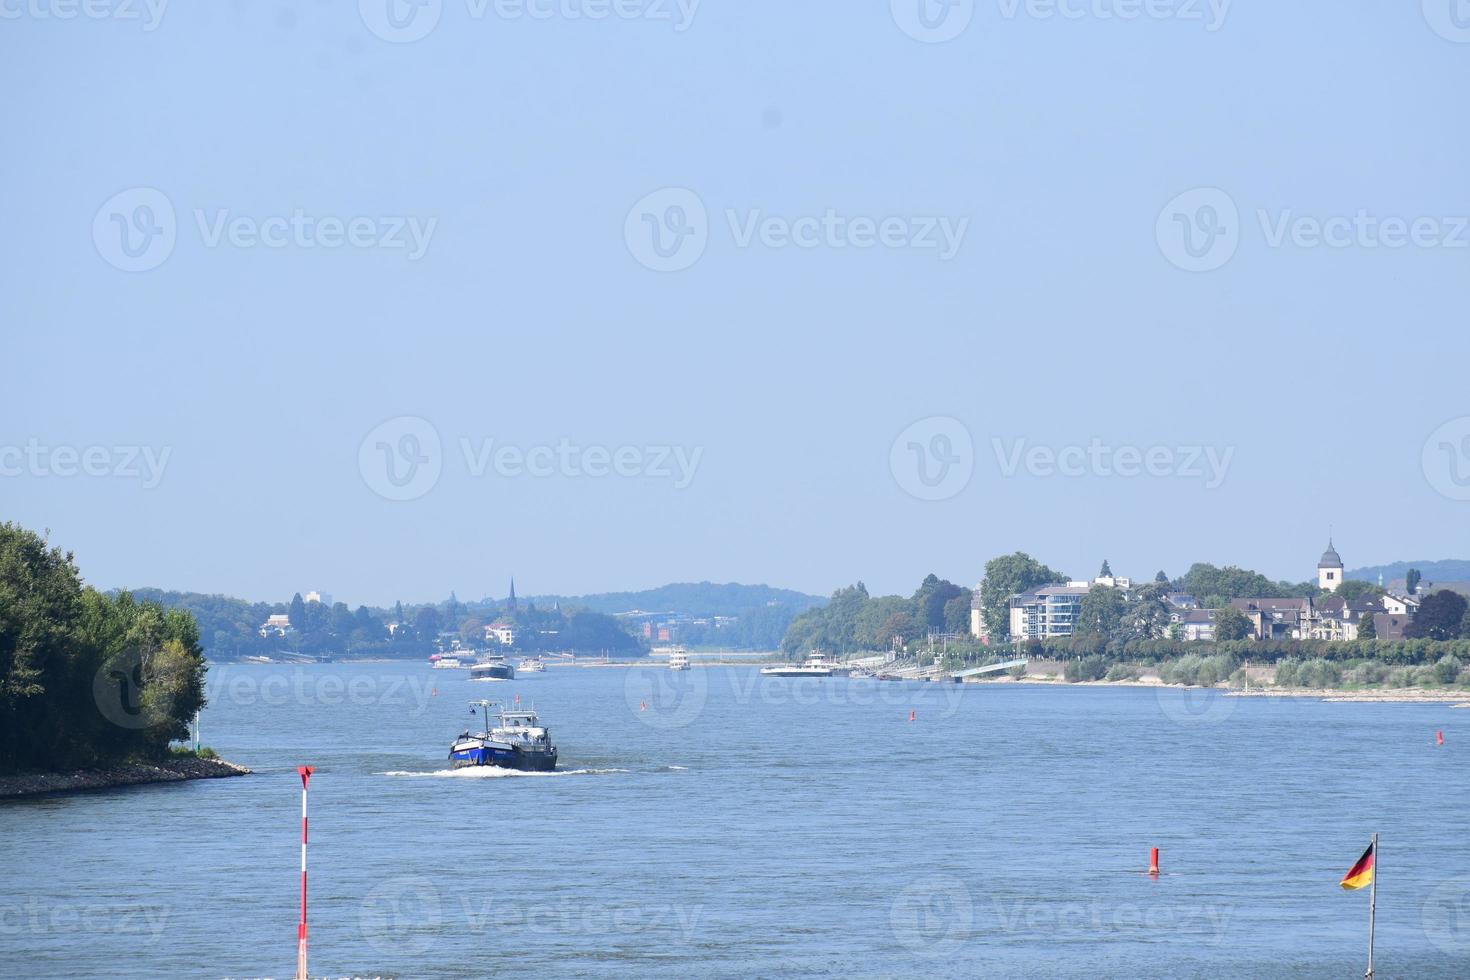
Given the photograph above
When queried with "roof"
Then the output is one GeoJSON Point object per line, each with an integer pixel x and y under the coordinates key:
{"type": "Point", "coordinates": [1251, 605]}
{"type": "Point", "coordinates": [1330, 557]}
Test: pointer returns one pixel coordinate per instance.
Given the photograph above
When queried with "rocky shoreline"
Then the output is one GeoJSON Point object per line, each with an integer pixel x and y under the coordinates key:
{"type": "Point", "coordinates": [127, 774]}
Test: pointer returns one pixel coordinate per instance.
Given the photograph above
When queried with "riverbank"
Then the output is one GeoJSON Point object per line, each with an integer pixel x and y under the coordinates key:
{"type": "Point", "coordinates": [127, 774]}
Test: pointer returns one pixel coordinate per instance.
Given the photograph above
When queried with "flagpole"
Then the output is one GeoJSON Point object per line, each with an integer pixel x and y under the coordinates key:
{"type": "Point", "coordinates": [1372, 908]}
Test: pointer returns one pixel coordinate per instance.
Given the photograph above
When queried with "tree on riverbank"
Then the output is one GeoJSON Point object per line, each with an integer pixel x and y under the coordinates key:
{"type": "Point", "coordinates": [86, 678]}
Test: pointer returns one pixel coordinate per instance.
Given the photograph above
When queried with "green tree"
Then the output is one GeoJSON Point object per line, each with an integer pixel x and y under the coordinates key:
{"type": "Point", "coordinates": [1107, 571]}
{"type": "Point", "coordinates": [957, 613]}
{"type": "Point", "coordinates": [1367, 628]}
{"type": "Point", "coordinates": [1439, 617]}
{"type": "Point", "coordinates": [1005, 577]}
{"type": "Point", "coordinates": [297, 612]}
{"type": "Point", "coordinates": [1231, 624]}
{"type": "Point", "coordinates": [1351, 590]}
{"type": "Point", "coordinates": [1161, 578]}
{"type": "Point", "coordinates": [1100, 614]}
{"type": "Point", "coordinates": [1412, 579]}
{"type": "Point", "coordinates": [930, 599]}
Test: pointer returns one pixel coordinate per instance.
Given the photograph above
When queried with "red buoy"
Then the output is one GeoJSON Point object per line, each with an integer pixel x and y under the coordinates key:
{"type": "Point", "coordinates": [1439, 738]}
{"type": "Point", "coordinates": [1153, 861]}
{"type": "Point", "coordinates": [911, 715]}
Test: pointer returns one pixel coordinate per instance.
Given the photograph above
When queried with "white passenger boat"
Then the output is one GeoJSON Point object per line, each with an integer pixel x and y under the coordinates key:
{"type": "Point", "coordinates": [814, 666]}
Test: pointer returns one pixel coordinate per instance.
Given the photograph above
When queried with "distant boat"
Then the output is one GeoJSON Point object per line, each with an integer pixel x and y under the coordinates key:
{"type": "Point", "coordinates": [493, 668]}
{"type": "Point", "coordinates": [531, 666]}
{"type": "Point", "coordinates": [448, 663]}
{"type": "Point", "coordinates": [678, 659]}
{"type": "Point", "coordinates": [815, 665]}
{"type": "Point", "coordinates": [517, 742]}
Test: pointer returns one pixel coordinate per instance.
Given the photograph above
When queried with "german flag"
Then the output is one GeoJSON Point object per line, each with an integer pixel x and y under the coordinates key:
{"type": "Point", "coordinates": [1361, 873]}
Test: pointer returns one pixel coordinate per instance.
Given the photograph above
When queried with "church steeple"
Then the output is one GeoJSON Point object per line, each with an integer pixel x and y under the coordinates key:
{"type": "Point", "coordinates": [511, 603]}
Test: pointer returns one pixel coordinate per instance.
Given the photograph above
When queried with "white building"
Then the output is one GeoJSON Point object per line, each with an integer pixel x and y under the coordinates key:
{"type": "Point", "coordinates": [1329, 569]}
{"type": "Point", "coordinates": [502, 633]}
{"type": "Point", "coordinates": [325, 598]}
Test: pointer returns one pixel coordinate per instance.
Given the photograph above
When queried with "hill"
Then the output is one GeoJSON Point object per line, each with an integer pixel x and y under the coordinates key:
{"type": "Point", "coordinates": [1444, 570]}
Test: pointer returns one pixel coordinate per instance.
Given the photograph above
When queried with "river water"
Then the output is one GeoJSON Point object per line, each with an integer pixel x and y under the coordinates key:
{"type": "Point", "coordinates": [712, 823]}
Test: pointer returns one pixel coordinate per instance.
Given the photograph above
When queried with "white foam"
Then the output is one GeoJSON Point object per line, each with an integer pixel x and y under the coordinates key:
{"type": "Point", "coordinates": [496, 772]}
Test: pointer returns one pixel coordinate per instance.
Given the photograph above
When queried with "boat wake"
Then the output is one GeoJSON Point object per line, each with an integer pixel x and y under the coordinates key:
{"type": "Point", "coordinates": [496, 772]}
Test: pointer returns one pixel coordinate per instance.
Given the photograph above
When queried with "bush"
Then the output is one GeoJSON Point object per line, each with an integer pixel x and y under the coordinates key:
{"type": "Point", "coordinates": [1122, 672]}
{"type": "Point", "coordinates": [1447, 669]}
{"type": "Point", "coordinates": [1093, 668]}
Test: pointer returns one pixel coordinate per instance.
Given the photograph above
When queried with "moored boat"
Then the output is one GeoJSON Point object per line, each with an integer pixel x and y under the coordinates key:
{"type": "Point", "coordinates": [532, 665]}
{"type": "Point", "coordinates": [518, 741]}
{"type": "Point", "coordinates": [678, 659]}
{"type": "Point", "coordinates": [815, 665]}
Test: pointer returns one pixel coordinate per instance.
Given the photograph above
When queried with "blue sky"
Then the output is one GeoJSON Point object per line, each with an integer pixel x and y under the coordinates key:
{"type": "Point", "coordinates": [278, 249]}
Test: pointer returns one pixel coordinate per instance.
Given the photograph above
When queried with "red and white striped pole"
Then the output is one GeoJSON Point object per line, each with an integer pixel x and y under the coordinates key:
{"type": "Point", "coordinates": [305, 772]}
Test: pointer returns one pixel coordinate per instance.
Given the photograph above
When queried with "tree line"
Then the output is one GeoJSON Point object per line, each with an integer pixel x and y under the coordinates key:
{"type": "Point", "coordinates": [87, 678]}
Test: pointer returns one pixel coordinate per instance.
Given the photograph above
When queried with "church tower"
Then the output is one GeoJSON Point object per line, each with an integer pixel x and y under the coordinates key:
{"type": "Point", "coordinates": [511, 602]}
{"type": "Point", "coordinates": [1329, 569]}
